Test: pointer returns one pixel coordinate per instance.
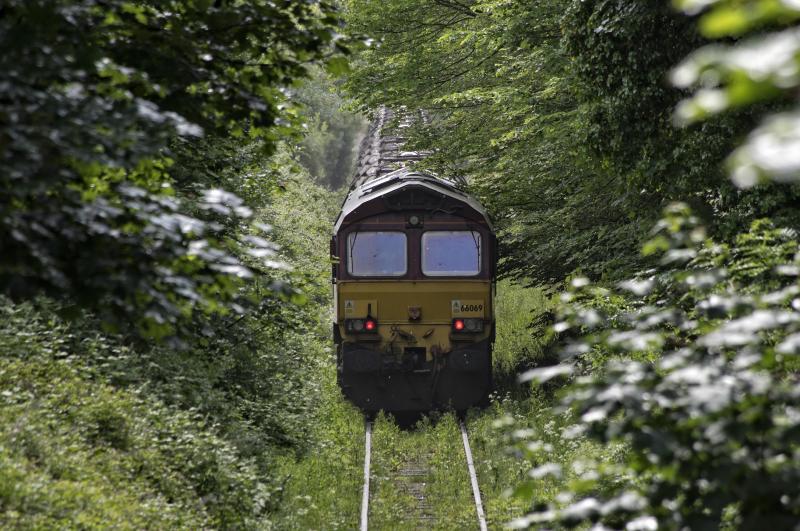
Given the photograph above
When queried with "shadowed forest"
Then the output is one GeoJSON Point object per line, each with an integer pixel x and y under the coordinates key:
{"type": "Point", "coordinates": [170, 172]}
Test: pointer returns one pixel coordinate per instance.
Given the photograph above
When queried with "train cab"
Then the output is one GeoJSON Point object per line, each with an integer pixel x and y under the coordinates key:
{"type": "Point", "coordinates": [414, 262]}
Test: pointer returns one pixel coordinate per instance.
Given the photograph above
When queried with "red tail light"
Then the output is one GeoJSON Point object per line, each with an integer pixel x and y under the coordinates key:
{"type": "Point", "coordinates": [468, 325]}
{"type": "Point", "coordinates": [361, 326]}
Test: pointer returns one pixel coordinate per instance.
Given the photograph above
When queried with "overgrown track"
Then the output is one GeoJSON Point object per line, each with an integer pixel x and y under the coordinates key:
{"type": "Point", "coordinates": [411, 480]}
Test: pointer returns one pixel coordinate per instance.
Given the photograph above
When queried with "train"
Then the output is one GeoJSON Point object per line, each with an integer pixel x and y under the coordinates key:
{"type": "Point", "coordinates": [414, 266]}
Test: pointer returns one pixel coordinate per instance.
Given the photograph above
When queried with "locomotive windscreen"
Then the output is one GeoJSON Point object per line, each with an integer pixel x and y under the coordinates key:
{"type": "Point", "coordinates": [377, 254]}
{"type": "Point", "coordinates": [451, 253]}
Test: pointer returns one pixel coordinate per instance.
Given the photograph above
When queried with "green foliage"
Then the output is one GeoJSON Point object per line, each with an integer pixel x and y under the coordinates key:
{"type": "Point", "coordinates": [491, 75]}
{"type": "Point", "coordinates": [322, 488]}
{"type": "Point", "coordinates": [194, 437]}
{"type": "Point", "coordinates": [696, 363]}
{"type": "Point", "coordinates": [756, 69]}
{"type": "Point", "coordinates": [329, 148]}
{"type": "Point", "coordinates": [519, 344]}
{"type": "Point", "coordinates": [621, 54]}
{"type": "Point", "coordinates": [95, 95]}
{"type": "Point", "coordinates": [736, 18]}
{"type": "Point", "coordinates": [254, 375]}
{"type": "Point", "coordinates": [525, 474]}
{"type": "Point", "coordinates": [77, 452]}
{"type": "Point", "coordinates": [559, 115]}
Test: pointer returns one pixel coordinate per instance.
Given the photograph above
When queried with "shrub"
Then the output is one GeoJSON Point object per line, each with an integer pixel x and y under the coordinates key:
{"type": "Point", "coordinates": [694, 371]}
{"type": "Point", "coordinates": [75, 451]}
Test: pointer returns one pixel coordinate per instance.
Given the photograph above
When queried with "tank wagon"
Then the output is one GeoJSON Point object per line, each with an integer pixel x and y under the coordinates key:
{"type": "Point", "coordinates": [413, 270]}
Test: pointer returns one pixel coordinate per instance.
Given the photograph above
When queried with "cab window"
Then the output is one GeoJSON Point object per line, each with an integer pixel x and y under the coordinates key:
{"type": "Point", "coordinates": [377, 254]}
{"type": "Point", "coordinates": [451, 253]}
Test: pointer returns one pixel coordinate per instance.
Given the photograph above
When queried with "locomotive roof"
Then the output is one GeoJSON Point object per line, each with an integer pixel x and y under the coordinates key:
{"type": "Point", "coordinates": [371, 189]}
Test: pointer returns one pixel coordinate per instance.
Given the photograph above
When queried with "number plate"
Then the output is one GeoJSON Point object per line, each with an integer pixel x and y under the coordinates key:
{"type": "Point", "coordinates": [467, 308]}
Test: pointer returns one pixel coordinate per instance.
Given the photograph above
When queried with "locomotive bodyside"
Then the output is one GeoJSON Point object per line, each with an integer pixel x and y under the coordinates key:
{"type": "Point", "coordinates": [414, 286]}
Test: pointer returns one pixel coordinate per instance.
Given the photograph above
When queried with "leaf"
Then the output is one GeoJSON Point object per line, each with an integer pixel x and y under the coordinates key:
{"type": "Point", "coordinates": [338, 65]}
{"type": "Point", "coordinates": [659, 244]}
{"type": "Point", "coordinates": [725, 21]}
{"type": "Point", "coordinates": [544, 374]}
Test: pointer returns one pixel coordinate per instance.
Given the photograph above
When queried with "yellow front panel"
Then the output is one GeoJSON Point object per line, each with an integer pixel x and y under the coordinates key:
{"type": "Point", "coordinates": [393, 303]}
{"type": "Point", "coordinates": [356, 308]}
{"type": "Point", "coordinates": [434, 298]}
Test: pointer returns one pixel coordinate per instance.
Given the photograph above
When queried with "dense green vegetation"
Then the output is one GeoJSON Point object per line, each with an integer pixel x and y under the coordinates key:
{"type": "Point", "coordinates": [158, 359]}
{"type": "Point", "coordinates": [330, 144]}
{"type": "Point", "coordinates": [170, 172]}
{"type": "Point", "coordinates": [579, 124]}
{"type": "Point", "coordinates": [693, 369]}
{"type": "Point", "coordinates": [97, 431]}
{"type": "Point", "coordinates": [80, 452]}
{"type": "Point", "coordinates": [111, 109]}
{"type": "Point", "coordinates": [561, 115]}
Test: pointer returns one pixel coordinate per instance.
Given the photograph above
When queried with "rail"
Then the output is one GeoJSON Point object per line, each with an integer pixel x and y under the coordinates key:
{"type": "Point", "coordinates": [473, 478]}
{"type": "Point", "coordinates": [365, 495]}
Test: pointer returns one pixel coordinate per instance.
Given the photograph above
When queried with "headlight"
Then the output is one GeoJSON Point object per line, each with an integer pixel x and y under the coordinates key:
{"type": "Point", "coordinates": [467, 325]}
{"type": "Point", "coordinates": [360, 326]}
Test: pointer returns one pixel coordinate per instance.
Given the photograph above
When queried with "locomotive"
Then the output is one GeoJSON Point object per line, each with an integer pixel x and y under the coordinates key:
{"type": "Point", "coordinates": [414, 263]}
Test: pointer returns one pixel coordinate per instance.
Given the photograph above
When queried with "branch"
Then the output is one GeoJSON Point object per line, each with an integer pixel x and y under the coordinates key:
{"type": "Point", "coordinates": [458, 6]}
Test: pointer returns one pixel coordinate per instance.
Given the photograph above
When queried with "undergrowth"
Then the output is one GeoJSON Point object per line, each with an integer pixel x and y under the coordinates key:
{"type": "Point", "coordinates": [98, 430]}
{"type": "Point", "coordinates": [520, 316]}
{"type": "Point", "coordinates": [78, 452]}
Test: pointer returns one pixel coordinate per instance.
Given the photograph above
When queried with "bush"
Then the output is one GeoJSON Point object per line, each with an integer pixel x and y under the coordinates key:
{"type": "Point", "coordinates": [75, 451]}
{"type": "Point", "coordinates": [693, 369]}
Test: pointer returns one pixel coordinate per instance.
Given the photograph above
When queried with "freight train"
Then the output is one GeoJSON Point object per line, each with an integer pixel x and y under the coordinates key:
{"type": "Point", "coordinates": [414, 261]}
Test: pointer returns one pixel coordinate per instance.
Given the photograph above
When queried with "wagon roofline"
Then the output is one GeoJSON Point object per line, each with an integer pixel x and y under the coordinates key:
{"type": "Point", "coordinates": [377, 187]}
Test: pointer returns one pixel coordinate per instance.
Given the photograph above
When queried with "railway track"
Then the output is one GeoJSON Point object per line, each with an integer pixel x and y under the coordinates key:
{"type": "Point", "coordinates": [413, 478]}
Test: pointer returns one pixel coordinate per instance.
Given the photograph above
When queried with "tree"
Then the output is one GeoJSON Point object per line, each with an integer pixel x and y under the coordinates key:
{"type": "Point", "coordinates": [559, 114]}
{"type": "Point", "coordinates": [329, 148]}
{"type": "Point", "coordinates": [101, 100]}
{"type": "Point", "coordinates": [692, 367]}
{"type": "Point", "coordinates": [735, 76]}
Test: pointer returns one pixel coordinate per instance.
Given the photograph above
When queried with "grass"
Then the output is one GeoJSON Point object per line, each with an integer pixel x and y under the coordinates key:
{"type": "Point", "coordinates": [322, 489]}
{"type": "Point", "coordinates": [433, 446]}
{"type": "Point", "coordinates": [517, 345]}
{"type": "Point", "coordinates": [511, 438]}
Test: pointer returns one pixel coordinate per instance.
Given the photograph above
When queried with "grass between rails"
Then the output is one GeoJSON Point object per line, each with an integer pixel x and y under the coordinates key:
{"type": "Point", "coordinates": [430, 456]}
{"type": "Point", "coordinates": [324, 488]}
